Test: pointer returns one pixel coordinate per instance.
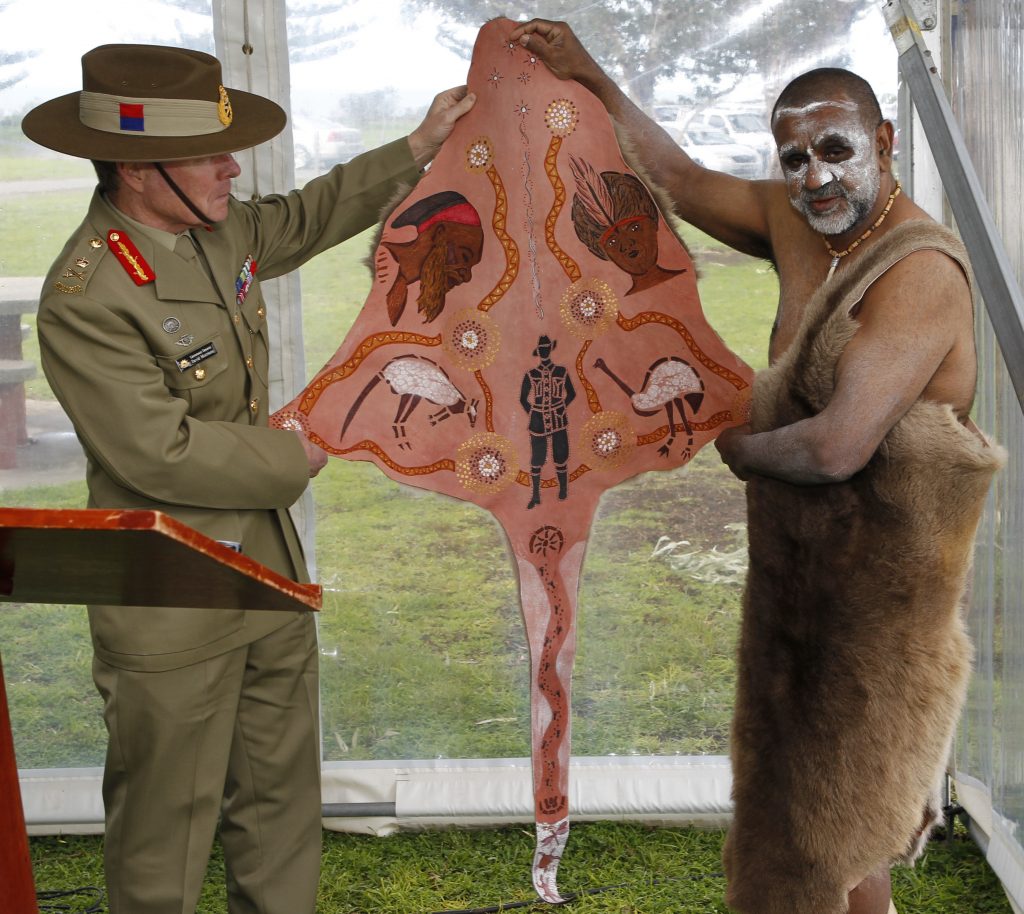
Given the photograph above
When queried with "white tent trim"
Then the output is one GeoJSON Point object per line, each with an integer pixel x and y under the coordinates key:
{"type": "Point", "coordinates": [683, 790]}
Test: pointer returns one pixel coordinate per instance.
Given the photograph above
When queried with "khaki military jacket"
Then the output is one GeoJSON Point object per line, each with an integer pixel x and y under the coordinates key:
{"type": "Point", "coordinates": [166, 383]}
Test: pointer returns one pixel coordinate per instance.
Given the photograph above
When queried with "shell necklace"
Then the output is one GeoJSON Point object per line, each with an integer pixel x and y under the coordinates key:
{"type": "Point", "coordinates": [839, 255]}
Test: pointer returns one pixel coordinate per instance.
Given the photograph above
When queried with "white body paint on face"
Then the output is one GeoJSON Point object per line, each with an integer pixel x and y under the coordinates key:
{"type": "Point", "coordinates": [812, 107]}
{"type": "Point", "coordinates": [829, 163]}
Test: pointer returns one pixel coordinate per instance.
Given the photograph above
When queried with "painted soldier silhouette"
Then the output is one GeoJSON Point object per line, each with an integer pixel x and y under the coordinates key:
{"type": "Point", "coordinates": [545, 394]}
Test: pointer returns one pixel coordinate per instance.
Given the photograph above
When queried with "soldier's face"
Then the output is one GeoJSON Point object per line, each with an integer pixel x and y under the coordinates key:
{"type": "Point", "coordinates": [206, 182]}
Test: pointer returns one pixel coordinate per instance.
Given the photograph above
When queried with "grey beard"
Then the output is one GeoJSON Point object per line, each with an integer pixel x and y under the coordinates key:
{"type": "Point", "coordinates": [858, 208]}
{"type": "Point", "coordinates": [838, 222]}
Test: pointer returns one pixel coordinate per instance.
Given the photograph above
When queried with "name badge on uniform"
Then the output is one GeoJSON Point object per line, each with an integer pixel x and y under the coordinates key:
{"type": "Point", "coordinates": [195, 357]}
{"type": "Point", "coordinates": [245, 278]}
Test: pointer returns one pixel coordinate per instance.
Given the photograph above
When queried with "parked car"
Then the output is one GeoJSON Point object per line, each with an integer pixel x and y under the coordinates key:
{"type": "Point", "coordinates": [715, 150]}
{"type": "Point", "coordinates": [319, 146]}
{"type": "Point", "coordinates": [672, 118]}
{"type": "Point", "coordinates": [667, 114]}
{"type": "Point", "coordinates": [748, 128]}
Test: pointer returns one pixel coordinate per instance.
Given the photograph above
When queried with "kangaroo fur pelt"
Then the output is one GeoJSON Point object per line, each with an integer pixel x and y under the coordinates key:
{"type": "Point", "coordinates": [853, 657]}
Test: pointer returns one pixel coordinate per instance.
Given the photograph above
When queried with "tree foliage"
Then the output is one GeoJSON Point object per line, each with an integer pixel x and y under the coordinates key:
{"type": "Point", "coordinates": [714, 42]}
{"type": "Point", "coordinates": [13, 59]}
{"type": "Point", "coordinates": [375, 107]}
{"type": "Point", "coordinates": [317, 30]}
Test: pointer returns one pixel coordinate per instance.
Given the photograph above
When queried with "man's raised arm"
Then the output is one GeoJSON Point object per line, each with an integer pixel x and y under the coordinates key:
{"type": "Point", "coordinates": [728, 208]}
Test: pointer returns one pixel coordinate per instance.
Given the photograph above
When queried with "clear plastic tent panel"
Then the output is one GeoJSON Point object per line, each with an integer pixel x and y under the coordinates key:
{"type": "Point", "coordinates": [423, 655]}
{"type": "Point", "coordinates": [987, 93]}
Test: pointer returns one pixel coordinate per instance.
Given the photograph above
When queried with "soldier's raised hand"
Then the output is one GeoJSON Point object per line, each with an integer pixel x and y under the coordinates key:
{"type": "Point", "coordinates": [446, 108]}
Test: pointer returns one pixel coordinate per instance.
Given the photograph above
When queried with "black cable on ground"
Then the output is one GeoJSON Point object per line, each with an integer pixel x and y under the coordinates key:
{"type": "Point", "coordinates": [570, 897]}
{"type": "Point", "coordinates": [52, 901]}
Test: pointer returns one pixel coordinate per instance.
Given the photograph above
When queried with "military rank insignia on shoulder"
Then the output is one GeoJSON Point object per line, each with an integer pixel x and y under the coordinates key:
{"type": "Point", "coordinates": [129, 257]}
{"type": "Point", "coordinates": [75, 276]}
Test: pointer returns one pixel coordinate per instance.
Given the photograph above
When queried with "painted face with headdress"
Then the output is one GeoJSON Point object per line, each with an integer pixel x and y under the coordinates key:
{"type": "Point", "coordinates": [615, 217]}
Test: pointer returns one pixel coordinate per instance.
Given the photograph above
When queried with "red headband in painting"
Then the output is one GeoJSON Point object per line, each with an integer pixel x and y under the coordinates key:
{"type": "Point", "coordinates": [462, 213]}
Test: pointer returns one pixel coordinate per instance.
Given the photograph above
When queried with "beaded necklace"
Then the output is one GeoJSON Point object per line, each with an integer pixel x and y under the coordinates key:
{"type": "Point", "coordinates": [838, 255]}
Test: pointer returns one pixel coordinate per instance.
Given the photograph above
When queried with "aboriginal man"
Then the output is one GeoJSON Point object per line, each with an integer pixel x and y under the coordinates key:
{"type": "Point", "coordinates": [865, 480]}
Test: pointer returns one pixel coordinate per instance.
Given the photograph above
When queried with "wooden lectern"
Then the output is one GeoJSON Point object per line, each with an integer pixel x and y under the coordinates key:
{"type": "Point", "coordinates": [100, 556]}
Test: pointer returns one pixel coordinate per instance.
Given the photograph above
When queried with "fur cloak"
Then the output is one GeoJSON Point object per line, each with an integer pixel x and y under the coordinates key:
{"type": "Point", "coordinates": [853, 658]}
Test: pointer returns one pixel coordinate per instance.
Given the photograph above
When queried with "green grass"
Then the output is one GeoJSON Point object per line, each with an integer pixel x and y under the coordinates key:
{"type": "Point", "coordinates": [35, 168]}
{"type": "Point", "coordinates": [625, 868]}
{"type": "Point", "coordinates": [47, 219]}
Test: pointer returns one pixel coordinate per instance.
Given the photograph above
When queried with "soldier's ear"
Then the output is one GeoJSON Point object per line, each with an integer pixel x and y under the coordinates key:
{"type": "Point", "coordinates": [131, 174]}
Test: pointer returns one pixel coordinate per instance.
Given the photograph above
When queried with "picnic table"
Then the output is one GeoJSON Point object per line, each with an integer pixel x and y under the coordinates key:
{"type": "Point", "coordinates": [19, 295]}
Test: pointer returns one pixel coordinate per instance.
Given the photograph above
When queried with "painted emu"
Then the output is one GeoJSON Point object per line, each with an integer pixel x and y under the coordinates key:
{"type": "Point", "coordinates": [414, 378]}
{"type": "Point", "coordinates": [668, 382]}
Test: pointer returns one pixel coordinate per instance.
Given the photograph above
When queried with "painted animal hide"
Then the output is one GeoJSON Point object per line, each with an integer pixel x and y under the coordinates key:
{"type": "Point", "coordinates": [533, 337]}
{"type": "Point", "coordinates": [853, 655]}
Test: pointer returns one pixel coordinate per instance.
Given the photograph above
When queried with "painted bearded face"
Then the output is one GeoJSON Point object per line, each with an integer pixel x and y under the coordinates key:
{"type": "Point", "coordinates": [450, 253]}
{"type": "Point", "coordinates": [439, 259]}
{"type": "Point", "coordinates": [829, 163]}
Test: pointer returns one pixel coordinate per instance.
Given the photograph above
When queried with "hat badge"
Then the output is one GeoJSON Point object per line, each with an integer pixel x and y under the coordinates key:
{"type": "Point", "coordinates": [224, 111]}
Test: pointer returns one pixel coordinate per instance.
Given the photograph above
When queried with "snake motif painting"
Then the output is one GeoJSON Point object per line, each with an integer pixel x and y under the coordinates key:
{"type": "Point", "coordinates": [533, 337]}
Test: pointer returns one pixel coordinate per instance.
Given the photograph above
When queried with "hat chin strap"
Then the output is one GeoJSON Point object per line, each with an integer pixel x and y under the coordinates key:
{"type": "Point", "coordinates": [206, 220]}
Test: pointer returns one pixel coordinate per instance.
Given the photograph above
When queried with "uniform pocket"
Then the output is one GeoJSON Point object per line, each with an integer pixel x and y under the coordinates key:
{"type": "Point", "coordinates": [147, 631]}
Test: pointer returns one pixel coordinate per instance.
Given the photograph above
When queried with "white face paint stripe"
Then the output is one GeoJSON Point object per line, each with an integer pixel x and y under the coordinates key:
{"type": "Point", "coordinates": [811, 107]}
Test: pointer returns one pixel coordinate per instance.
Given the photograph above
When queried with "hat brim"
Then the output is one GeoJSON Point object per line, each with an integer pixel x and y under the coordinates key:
{"type": "Point", "coordinates": [56, 124]}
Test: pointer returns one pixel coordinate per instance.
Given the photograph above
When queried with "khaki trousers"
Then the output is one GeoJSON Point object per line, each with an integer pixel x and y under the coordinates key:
{"type": "Point", "coordinates": [234, 738]}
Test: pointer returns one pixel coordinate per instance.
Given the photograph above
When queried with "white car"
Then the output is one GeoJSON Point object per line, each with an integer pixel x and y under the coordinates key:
{"type": "Point", "coordinates": [319, 146]}
{"type": "Point", "coordinates": [748, 128]}
{"type": "Point", "coordinates": [715, 150]}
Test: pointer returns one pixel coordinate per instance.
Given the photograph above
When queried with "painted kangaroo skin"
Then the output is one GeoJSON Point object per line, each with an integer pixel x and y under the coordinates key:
{"type": "Point", "coordinates": [531, 292]}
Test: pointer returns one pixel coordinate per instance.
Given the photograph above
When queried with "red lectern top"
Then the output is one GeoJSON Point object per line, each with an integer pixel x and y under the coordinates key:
{"type": "Point", "coordinates": [108, 556]}
{"type": "Point", "coordinates": [101, 556]}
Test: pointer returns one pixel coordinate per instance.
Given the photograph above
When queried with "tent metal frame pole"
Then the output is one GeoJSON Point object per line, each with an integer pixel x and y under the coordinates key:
{"type": "Point", "coordinates": [992, 268]}
{"type": "Point", "coordinates": [358, 810]}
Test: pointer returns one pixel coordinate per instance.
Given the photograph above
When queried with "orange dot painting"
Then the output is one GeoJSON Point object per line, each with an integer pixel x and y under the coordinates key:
{"type": "Point", "coordinates": [533, 338]}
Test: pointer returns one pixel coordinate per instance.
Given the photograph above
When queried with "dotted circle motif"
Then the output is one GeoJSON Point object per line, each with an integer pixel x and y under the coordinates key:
{"type": "Point", "coordinates": [607, 440]}
{"type": "Point", "coordinates": [479, 154]}
{"type": "Point", "coordinates": [486, 463]}
{"type": "Point", "coordinates": [290, 421]}
{"type": "Point", "coordinates": [561, 116]}
{"type": "Point", "coordinates": [589, 307]}
{"type": "Point", "coordinates": [472, 339]}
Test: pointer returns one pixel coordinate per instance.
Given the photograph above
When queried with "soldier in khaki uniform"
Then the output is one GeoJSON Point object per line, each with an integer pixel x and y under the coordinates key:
{"type": "Point", "coordinates": [153, 337]}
